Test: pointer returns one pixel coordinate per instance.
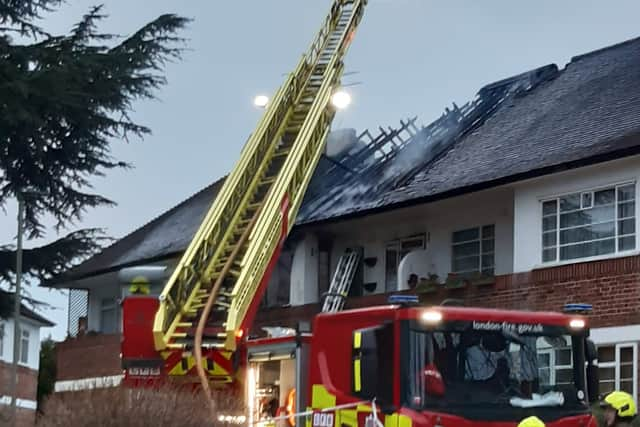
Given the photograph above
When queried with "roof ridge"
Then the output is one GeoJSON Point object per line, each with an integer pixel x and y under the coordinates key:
{"type": "Point", "coordinates": [603, 49]}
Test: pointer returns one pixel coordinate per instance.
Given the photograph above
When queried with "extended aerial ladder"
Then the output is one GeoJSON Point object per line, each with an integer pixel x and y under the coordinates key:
{"type": "Point", "coordinates": [212, 296]}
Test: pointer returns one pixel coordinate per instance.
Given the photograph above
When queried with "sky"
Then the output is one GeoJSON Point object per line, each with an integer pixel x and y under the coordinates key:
{"type": "Point", "coordinates": [409, 58]}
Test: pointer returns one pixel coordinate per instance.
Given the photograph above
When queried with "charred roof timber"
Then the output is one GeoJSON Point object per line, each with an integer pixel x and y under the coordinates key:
{"type": "Point", "coordinates": [389, 160]}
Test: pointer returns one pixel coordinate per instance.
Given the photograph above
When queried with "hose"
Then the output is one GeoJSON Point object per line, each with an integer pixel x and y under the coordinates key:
{"type": "Point", "coordinates": [207, 311]}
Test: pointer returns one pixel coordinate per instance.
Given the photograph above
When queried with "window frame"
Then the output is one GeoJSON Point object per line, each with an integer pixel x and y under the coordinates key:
{"type": "Point", "coordinates": [616, 220]}
{"type": "Point", "coordinates": [396, 245]}
{"type": "Point", "coordinates": [481, 252]}
{"type": "Point", "coordinates": [25, 337]}
{"type": "Point", "coordinates": [554, 367]}
{"type": "Point", "coordinates": [617, 364]}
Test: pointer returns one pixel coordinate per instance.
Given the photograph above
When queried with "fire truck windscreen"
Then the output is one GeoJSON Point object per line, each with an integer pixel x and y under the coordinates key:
{"type": "Point", "coordinates": [486, 365]}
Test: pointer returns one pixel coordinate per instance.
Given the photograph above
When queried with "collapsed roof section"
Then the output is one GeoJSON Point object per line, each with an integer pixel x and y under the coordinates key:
{"type": "Point", "coordinates": [363, 176]}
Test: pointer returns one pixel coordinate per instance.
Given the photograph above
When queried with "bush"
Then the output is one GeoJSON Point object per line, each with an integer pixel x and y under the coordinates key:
{"type": "Point", "coordinates": [118, 406]}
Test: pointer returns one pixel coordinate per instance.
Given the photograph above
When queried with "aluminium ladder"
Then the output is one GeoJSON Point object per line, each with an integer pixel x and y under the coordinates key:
{"type": "Point", "coordinates": [239, 240]}
{"type": "Point", "coordinates": [341, 282]}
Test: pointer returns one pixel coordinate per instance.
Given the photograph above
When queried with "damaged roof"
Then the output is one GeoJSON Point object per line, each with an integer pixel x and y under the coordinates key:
{"type": "Point", "coordinates": [532, 124]}
{"type": "Point", "coordinates": [529, 125]}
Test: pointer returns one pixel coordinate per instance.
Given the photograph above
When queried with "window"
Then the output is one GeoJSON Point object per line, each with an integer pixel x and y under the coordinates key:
{"type": "Point", "coordinates": [590, 223]}
{"type": "Point", "coordinates": [555, 362]}
{"type": "Point", "coordinates": [108, 316]}
{"type": "Point", "coordinates": [617, 368]}
{"type": "Point", "coordinates": [473, 250]}
{"type": "Point", "coordinates": [395, 251]}
{"type": "Point", "coordinates": [24, 346]}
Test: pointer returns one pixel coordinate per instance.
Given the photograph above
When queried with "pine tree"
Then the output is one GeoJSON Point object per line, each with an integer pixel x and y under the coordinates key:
{"type": "Point", "coordinates": [64, 99]}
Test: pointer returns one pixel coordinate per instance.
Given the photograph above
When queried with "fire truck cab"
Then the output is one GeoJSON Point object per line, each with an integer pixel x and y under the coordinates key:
{"type": "Point", "coordinates": [441, 366]}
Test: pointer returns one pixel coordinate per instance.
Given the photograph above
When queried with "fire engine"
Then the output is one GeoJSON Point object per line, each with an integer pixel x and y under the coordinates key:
{"type": "Point", "coordinates": [398, 365]}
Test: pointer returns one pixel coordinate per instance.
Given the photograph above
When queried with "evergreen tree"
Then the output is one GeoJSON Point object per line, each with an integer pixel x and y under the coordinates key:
{"type": "Point", "coordinates": [46, 371]}
{"type": "Point", "coordinates": [64, 99]}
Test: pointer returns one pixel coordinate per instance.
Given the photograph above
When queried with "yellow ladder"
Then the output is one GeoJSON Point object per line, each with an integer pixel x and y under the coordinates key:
{"type": "Point", "coordinates": [245, 224]}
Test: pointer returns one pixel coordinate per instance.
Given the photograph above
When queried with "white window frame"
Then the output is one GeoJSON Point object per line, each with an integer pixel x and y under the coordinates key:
{"type": "Point", "coordinates": [481, 252]}
{"type": "Point", "coordinates": [553, 367]}
{"type": "Point", "coordinates": [25, 337]}
{"type": "Point", "coordinates": [396, 245]}
{"type": "Point", "coordinates": [616, 220]}
{"type": "Point", "coordinates": [616, 364]}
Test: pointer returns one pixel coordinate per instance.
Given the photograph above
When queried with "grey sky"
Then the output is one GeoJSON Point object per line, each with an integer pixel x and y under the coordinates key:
{"type": "Point", "coordinates": [414, 57]}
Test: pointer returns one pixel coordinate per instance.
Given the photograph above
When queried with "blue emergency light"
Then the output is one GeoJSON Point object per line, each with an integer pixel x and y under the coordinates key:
{"type": "Point", "coordinates": [578, 308]}
{"type": "Point", "coordinates": [403, 300]}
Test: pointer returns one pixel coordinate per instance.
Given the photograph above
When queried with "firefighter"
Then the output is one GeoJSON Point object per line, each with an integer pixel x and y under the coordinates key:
{"type": "Point", "coordinates": [619, 409]}
{"type": "Point", "coordinates": [531, 422]}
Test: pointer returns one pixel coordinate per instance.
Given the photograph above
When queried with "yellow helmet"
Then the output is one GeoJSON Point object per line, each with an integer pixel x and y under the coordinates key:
{"type": "Point", "coordinates": [531, 422]}
{"type": "Point", "coordinates": [622, 402]}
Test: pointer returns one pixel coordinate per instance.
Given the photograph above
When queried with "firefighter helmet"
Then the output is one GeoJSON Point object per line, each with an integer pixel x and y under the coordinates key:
{"type": "Point", "coordinates": [622, 402]}
{"type": "Point", "coordinates": [531, 422]}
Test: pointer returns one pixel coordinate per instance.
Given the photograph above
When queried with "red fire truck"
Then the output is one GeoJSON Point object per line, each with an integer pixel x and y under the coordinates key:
{"type": "Point", "coordinates": [424, 366]}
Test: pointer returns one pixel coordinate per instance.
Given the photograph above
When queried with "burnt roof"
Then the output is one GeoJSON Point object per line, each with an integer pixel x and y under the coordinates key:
{"type": "Point", "coordinates": [535, 123]}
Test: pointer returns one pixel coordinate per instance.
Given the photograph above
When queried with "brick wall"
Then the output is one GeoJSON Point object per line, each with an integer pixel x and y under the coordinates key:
{"type": "Point", "coordinates": [27, 389]}
{"type": "Point", "coordinates": [25, 417]}
{"type": "Point", "coordinates": [27, 381]}
{"type": "Point", "coordinates": [611, 286]}
{"type": "Point", "coordinates": [88, 356]}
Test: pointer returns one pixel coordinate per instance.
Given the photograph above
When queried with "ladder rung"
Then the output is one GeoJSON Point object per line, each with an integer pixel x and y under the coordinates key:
{"type": "Point", "coordinates": [267, 181]}
{"type": "Point", "coordinates": [179, 335]}
{"type": "Point", "coordinates": [222, 304]}
{"type": "Point", "coordinates": [281, 153]}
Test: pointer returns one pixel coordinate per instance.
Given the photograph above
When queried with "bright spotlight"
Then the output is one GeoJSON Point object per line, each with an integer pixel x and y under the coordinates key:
{"type": "Point", "coordinates": [341, 99]}
{"type": "Point", "coordinates": [261, 101]}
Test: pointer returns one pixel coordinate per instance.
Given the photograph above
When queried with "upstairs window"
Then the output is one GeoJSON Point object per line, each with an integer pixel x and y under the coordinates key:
{"type": "Point", "coordinates": [473, 250]}
{"type": "Point", "coordinates": [24, 346]}
{"type": "Point", "coordinates": [589, 223]}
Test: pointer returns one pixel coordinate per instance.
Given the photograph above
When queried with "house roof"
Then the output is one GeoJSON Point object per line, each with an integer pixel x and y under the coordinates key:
{"type": "Point", "coordinates": [26, 311]}
{"type": "Point", "coordinates": [161, 238]}
{"type": "Point", "coordinates": [543, 121]}
{"type": "Point", "coordinates": [535, 123]}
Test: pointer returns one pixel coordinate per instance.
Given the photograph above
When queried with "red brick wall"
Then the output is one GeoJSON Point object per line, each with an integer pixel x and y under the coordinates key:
{"type": "Point", "coordinates": [611, 286]}
{"type": "Point", "coordinates": [27, 389]}
{"type": "Point", "coordinates": [27, 381]}
{"type": "Point", "coordinates": [88, 356]}
{"type": "Point", "coordinates": [26, 417]}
